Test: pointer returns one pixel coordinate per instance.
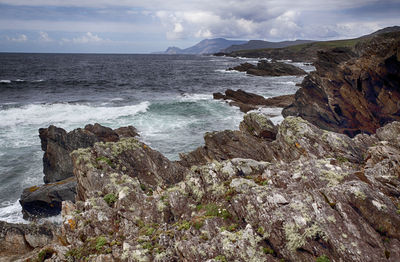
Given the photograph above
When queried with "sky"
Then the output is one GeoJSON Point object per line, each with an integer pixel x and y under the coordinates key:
{"type": "Point", "coordinates": [132, 26]}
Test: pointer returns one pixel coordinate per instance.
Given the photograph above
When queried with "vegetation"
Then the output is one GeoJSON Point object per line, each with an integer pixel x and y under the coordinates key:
{"type": "Point", "coordinates": [322, 258]}
{"type": "Point", "coordinates": [110, 199]}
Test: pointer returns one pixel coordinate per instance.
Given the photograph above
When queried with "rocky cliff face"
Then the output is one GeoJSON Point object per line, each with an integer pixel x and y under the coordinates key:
{"type": "Point", "coordinates": [317, 194]}
{"type": "Point", "coordinates": [353, 92]}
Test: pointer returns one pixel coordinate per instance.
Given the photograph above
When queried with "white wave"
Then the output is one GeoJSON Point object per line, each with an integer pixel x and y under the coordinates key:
{"type": "Point", "coordinates": [117, 99]}
{"type": "Point", "coordinates": [228, 71]}
{"type": "Point", "coordinates": [65, 114]}
{"type": "Point", "coordinates": [37, 81]}
{"type": "Point", "coordinates": [5, 81]}
{"type": "Point", "coordinates": [195, 97]}
{"type": "Point", "coordinates": [286, 83]}
{"type": "Point", "coordinates": [19, 80]}
{"type": "Point", "coordinates": [11, 212]}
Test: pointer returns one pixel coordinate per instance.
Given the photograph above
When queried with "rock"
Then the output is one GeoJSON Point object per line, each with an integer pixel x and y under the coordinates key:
{"type": "Point", "coordinates": [316, 198]}
{"type": "Point", "coordinates": [352, 92]}
{"type": "Point", "coordinates": [128, 156]}
{"type": "Point", "coordinates": [45, 200]}
{"type": "Point", "coordinates": [243, 67]}
{"type": "Point", "coordinates": [58, 144]}
{"type": "Point", "coordinates": [265, 68]}
{"type": "Point", "coordinates": [19, 239]}
{"type": "Point", "coordinates": [258, 124]}
{"type": "Point", "coordinates": [248, 101]}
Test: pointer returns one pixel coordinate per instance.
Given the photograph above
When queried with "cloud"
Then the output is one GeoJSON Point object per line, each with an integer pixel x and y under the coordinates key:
{"type": "Point", "coordinates": [44, 37]}
{"type": "Point", "coordinates": [84, 39]}
{"type": "Point", "coordinates": [20, 38]}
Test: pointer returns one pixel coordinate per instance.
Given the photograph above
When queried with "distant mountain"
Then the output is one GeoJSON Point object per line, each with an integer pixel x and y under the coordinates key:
{"type": "Point", "coordinates": [259, 44]}
{"type": "Point", "coordinates": [207, 46]}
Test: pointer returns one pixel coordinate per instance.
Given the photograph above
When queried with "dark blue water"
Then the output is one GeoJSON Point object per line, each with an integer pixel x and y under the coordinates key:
{"type": "Point", "coordinates": [167, 98]}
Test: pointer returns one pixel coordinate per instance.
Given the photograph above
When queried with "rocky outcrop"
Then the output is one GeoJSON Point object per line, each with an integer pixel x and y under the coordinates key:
{"type": "Point", "coordinates": [45, 200]}
{"type": "Point", "coordinates": [58, 144]}
{"type": "Point", "coordinates": [248, 101]}
{"type": "Point", "coordinates": [323, 196]}
{"type": "Point", "coordinates": [19, 240]}
{"type": "Point", "coordinates": [353, 92]}
{"type": "Point", "coordinates": [266, 68]}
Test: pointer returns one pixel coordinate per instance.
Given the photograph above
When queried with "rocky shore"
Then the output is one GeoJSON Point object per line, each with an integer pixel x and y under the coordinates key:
{"type": "Point", "coordinates": [294, 192]}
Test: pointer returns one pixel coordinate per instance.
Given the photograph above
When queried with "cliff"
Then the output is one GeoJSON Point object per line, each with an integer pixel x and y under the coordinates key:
{"type": "Point", "coordinates": [353, 91]}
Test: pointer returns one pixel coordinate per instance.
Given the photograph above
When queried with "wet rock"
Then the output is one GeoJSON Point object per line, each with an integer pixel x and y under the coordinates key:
{"type": "Point", "coordinates": [248, 101]}
{"type": "Point", "coordinates": [352, 92]}
{"type": "Point", "coordinates": [243, 67]}
{"type": "Point", "coordinates": [45, 200]}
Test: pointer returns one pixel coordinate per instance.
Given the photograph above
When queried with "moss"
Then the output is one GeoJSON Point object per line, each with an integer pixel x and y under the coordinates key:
{"type": "Point", "coordinates": [149, 231]}
{"type": "Point", "coordinates": [221, 258]}
{"type": "Point", "coordinates": [322, 258]}
{"type": "Point", "coordinates": [213, 210]}
{"type": "Point", "coordinates": [110, 199]}
{"type": "Point", "coordinates": [233, 227]}
{"type": "Point", "coordinates": [184, 225]}
{"type": "Point", "coordinates": [342, 159]}
{"type": "Point", "coordinates": [268, 250]}
{"type": "Point", "coordinates": [100, 242]}
{"type": "Point", "coordinates": [198, 224]}
{"type": "Point", "coordinates": [260, 230]}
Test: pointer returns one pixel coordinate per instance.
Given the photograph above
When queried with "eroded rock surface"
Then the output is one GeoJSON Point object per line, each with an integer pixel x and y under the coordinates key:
{"type": "Point", "coordinates": [353, 92]}
{"type": "Point", "coordinates": [320, 195]}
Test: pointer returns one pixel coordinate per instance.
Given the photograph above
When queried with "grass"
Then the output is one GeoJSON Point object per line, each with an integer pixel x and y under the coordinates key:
{"type": "Point", "coordinates": [110, 199]}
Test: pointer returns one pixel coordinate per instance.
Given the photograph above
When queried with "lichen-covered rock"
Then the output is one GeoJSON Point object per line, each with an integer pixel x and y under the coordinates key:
{"type": "Point", "coordinates": [18, 240]}
{"type": "Point", "coordinates": [323, 195]}
{"type": "Point", "coordinates": [45, 200]}
{"type": "Point", "coordinates": [258, 124]}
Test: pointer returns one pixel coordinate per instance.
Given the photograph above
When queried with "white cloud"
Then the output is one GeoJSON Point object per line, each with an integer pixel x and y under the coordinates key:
{"type": "Point", "coordinates": [84, 39]}
{"type": "Point", "coordinates": [20, 38]}
{"type": "Point", "coordinates": [44, 37]}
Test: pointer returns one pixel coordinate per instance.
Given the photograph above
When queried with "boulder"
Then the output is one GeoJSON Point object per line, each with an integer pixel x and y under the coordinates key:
{"type": "Point", "coordinates": [258, 124]}
{"type": "Point", "coordinates": [352, 92]}
{"type": "Point", "coordinates": [45, 200]}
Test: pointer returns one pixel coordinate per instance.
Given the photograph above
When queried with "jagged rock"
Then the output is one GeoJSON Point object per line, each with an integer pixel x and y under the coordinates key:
{"type": "Point", "coordinates": [317, 198]}
{"type": "Point", "coordinates": [248, 101]}
{"type": "Point", "coordinates": [19, 239]}
{"type": "Point", "coordinates": [128, 156]}
{"type": "Point", "coordinates": [350, 94]}
{"type": "Point", "coordinates": [265, 68]}
{"type": "Point", "coordinates": [258, 124]}
{"type": "Point", "coordinates": [45, 200]}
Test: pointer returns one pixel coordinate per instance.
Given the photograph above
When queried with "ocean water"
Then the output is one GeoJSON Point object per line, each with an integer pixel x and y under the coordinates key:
{"type": "Point", "coordinates": [168, 98]}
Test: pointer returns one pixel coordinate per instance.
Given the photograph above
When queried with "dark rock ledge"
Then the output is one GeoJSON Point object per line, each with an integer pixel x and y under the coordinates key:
{"type": "Point", "coordinates": [265, 68]}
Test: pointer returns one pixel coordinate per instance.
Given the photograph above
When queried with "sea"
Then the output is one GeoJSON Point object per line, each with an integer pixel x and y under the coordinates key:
{"type": "Point", "coordinates": [168, 98]}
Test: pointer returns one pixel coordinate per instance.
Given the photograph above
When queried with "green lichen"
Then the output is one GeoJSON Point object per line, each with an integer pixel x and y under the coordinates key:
{"type": "Point", "coordinates": [100, 242]}
{"type": "Point", "coordinates": [360, 194]}
{"type": "Point", "coordinates": [322, 258]}
{"type": "Point", "coordinates": [221, 258]}
{"type": "Point", "coordinates": [333, 178]}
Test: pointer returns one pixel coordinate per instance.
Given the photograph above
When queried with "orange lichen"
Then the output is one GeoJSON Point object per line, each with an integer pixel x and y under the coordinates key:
{"type": "Point", "coordinates": [72, 224]}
